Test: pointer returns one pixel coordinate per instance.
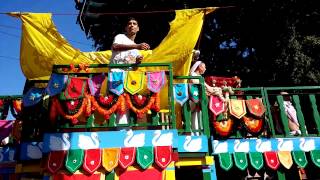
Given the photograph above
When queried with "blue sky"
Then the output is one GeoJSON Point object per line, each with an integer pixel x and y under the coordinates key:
{"type": "Point", "coordinates": [11, 78]}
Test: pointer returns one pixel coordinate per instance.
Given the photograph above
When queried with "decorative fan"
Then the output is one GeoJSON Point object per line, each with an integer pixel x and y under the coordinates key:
{"type": "Point", "coordinates": [252, 125]}
{"type": "Point", "coordinates": [224, 127]}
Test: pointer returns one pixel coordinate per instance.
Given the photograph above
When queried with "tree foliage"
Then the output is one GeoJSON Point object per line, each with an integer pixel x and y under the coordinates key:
{"type": "Point", "coordinates": [265, 43]}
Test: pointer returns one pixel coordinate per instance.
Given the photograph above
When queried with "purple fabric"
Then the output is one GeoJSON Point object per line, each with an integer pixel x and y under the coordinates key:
{"type": "Point", "coordinates": [95, 84]}
{"type": "Point", "coordinates": [5, 128]}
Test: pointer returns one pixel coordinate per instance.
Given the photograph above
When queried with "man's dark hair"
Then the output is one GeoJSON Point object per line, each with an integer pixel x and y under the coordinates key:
{"type": "Point", "coordinates": [132, 18]}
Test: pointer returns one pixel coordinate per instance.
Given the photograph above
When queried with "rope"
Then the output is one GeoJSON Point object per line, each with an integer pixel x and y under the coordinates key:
{"type": "Point", "coordinates": [123, 13]}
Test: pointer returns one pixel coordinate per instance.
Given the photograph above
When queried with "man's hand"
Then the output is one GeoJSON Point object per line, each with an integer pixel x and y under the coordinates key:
{"type": "Point", "coordinates": [139, 59]}
{"type": "Point", "coordinates": [144, 46]}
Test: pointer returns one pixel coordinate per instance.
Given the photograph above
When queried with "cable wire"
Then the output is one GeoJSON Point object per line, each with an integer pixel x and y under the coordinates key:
{"type": "Point", "coordinates": [124, 13]}
{"type": "Point", "coordinates": [17, 36]}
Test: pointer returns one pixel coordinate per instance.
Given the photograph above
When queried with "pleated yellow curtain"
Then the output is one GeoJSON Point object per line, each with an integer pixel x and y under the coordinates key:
{"type": "Point", "coordinates": [42, 46]}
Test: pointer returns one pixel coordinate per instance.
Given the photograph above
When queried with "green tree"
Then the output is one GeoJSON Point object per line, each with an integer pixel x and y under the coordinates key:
{"type": "Point", "coordinates": [265, 43]}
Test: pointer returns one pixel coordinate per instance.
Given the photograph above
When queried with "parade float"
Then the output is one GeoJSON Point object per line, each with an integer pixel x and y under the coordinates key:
{"type": "Point", "coordinates": [68, 119]}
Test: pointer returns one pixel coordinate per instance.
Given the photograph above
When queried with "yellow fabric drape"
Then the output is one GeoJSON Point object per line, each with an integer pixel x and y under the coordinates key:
{"type": "Point", "coordinates": [43, 46]}
{"type": "Point", "coordinates": [177, 46]}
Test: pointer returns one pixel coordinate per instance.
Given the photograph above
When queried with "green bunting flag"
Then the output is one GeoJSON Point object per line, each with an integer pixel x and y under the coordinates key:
{"type": "Point", "coordinates": [194, 92]}
{"type": "Point", "coordinates": [240, 159]}
{"type": "Point", "coordinates": [256, 160]}
{"type": "Point", "coordinates": [187, 116]}
{"type": "Point", "coordinates": [300, 158]}
{"type": "Point", "coordinates": [145, 156]}
{"type": "Point", "coordinates": [225, 161]}
{"type": "Point", "coordinates": [315, 157]}
{"type": "Point", "coordinates": [74, 160]}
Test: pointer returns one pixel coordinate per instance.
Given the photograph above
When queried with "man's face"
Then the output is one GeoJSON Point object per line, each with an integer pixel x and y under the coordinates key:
{"type": "Point", "coordinates": [132, 27]}
{"type": "Point", "coordinates": [202, 68]}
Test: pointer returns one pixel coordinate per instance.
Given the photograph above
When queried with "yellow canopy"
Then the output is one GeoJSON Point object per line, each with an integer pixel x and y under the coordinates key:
{"type": "Point", "coordinates": [42, 46]}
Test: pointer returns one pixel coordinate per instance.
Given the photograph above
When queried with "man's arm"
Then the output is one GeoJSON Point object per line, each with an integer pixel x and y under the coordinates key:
{"type": "Point", "coordinates": [124, 47]}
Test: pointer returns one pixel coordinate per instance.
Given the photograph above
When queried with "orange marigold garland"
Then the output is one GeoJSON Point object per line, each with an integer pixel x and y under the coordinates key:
{"type": "Point", "coordinates": [156, 105]}
{"type": "Point", "coordinates": [82, 66]}
{"type": "Point", "coordinates": [153, 104]}
{"type": "Point", "coordinates": [16, 108]}
{"type": "Point", "coordinates": [89, 106]}
{"type": "Point", "coordinates": [119, 106]}
{"type": "Point", "coordinates": [17, 105]}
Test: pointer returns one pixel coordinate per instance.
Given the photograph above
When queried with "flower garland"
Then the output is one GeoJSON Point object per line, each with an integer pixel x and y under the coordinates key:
{"type": "Point", "coordinates": [139, 100]}
{"type": "Point", "coordinates": [71, 106]}
{"type": "Point", "coordinates": [17, 105]}
{"type": "Point", "coordinates": [119, 106]}
{"type": "Point", "coordinates": [82, 66]}
{"type": "Point", "coordinates": [4, 108]}
{"type": "Point", "coordinates": [153, 104]}
{"type": "Point", "coordinates": [56, 109]}
{"type": "Point", "coordinates": [16, 108]}
{"type": "Point", "coordinates": [106, 101]}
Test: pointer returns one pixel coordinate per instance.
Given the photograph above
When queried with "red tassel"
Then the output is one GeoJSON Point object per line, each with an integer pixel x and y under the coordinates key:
{"type": "Point", "coordinates": [74, 121]}
{"type": "Point", "coordinates": [140, 115]}
{"type": "Point", "coordinates": [107, 117]}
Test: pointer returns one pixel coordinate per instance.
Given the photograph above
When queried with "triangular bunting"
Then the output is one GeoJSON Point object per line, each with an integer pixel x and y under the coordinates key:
{"type": "Point", "coordinates": [33, 96]}
{"type": "Point", "coordinates": [216, 105]}
{"type": "Point", "coordinates": [194, 92]}
{"type": "Point", "coordinates": [285, 159]}
{"type": "Point", "coordinates": [134, 81]}
{"type": "Point", "coordinates": [240, 159]}
{"type": "Point", "coordinates": [92, 160]}
{"type": "Point", "coordinates": [237, 108]}
{"type": "Point", "coordinates": [225, 161]}
{"type": "Point", "coordinates": [272, 159]}
{"type": "Point", "coordinates": [300, 158]}
{"type": "Point", "coordinates": [110, 157]}
{"type": "Point", "coordinates": [95, 84]}
{"type": "Point", "coordinates": [75, 88]}
{"type": "Point", "coordinates": [255, 107]}
{"type": "Point", "coordinates": [163, 156]}
{"type": "Point", "coordinates": [315, 157]}
{"type": "Point", "coordinates": [104, 87]}
{"type": "Point", "coordinates": [56, 84]}
{"type": "Point", "coordinates": [145, 156]}
{"type": "Point", "coordinates": [74, 159]}
{"type": "Point", "coordinates": [180, 93]}
{"type": "Point", "coordinates": [55, 160]}
{"type": "Point", "coordinates": [127, 156]}
{"type": "Point", "coordinates": [156, 80]}
{"type": "Point", "coordinates": [115, 82]}
{"type": "Point", "coordinates": [256, 160]}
